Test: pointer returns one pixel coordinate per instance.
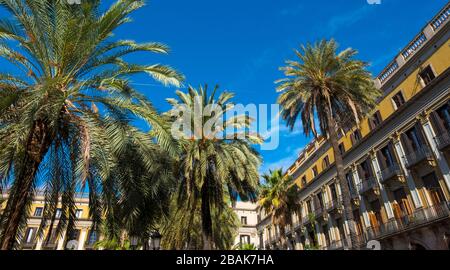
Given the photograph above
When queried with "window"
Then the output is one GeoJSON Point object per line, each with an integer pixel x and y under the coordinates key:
{"type": "Point", "coordinates": [74, 235]}
{"type": "Point", "coordinates": [375, 120]}
{"type": "Point", "coordinates": [244, 239]}
{"type": "Point", "coordinates": [441, 120]}
{"type": "Point", "coordinates": [365, 170]}
{"type": "Point", "coordinates": [387, 159]}
{"type": "Point", "coordinates": [38, 212]}
{"type": "Point", "coordinates": [320, 199]}
{"type": "Point", "coordinates": [315, 172]}
{"type": "Point", "coordinates": [427, 75]}
{"type": "Point", "coordinates": [349, 178]}
{"type": "Point", "coordinates": [325, 162]}
{"type": "Point", "coordinates": [309, 206]}
{"type": "Point", "coordinates": [244, 220]}
{"type": "Point", "coordinates": [304, 181]}
{"type": "Point", "coordinates": [78, 213]}
{"type": "Point", "coordinates": [342, 149]}
{"type": "Point", "coordinates": [412, 140]}
{"type": "Point", "coordinates": [356, 136]}
{"type": "Point", "coordinates": [58, 213]}
{"type": "Point", "coordinates": [333, 192]}
{"type": "Point", "coordinates": [92, 238]}
{"type": "Point", "coordinates": [29, 235]}
{"type": "Point", "coordinates": [398, 100]}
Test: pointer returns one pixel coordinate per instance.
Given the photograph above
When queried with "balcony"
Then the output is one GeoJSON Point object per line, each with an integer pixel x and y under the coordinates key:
{"type": "Point", "coordinates": [393, 172]}
{"type": "Point", "coordinates": [334, 205]}
{"type": "Point", "coordinates": [419, 218]}
{"type": "Point", "coordinates": [318, 212]}
{"type": "Point", "coordinates": [422, 154]}
{"type": "Point", "coordinates": [49, 246]}
{"type": "Point", "coordinates": [443, 140]}
{"type": "Point", "coordinates": [30, 245]}
{"type": "Point", "coordinates": [336, 245]}
{"type": "Point", "coordinates": [368, 185]}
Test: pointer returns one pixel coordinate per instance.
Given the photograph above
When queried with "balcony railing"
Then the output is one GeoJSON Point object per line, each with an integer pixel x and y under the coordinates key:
{"type": "Point", "coordinates": [419, 217]}
{"type": "Point", "coordinates": [318, 211]}
{"type": "Point", "coordinates": [334, 204]}
{"type": "Point", "coordinates": [389, 172]}
{"type": "Point", "coordinates": [336, 245]}
{"type": "Point", "coordinates": [388, 71]}
{"type": "Point", "coordinates": [443, 140]}
{"type": "Point", "coordinates": [415, 157]}
{"type": "Point", "coordinates": [367, 184]}
{"type": "Point", "coordinates": [441, 18]}
{"type": "Point", "coordinates": [414, 46]}
{"type": "Point", "coordinates": [30, 245]}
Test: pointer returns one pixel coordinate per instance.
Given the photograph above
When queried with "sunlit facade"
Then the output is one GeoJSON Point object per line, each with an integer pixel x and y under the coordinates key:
{"type": "Point", "coordinates": [397, 162]}
{"type": "Point", "coordinates": [83, 234]}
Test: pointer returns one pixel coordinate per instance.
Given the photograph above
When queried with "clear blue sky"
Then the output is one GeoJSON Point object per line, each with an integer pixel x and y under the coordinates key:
{"type": "Point", "coordinates": [239, 44]}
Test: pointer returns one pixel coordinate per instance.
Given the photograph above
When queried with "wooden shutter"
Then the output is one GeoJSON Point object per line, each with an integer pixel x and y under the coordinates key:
{"type": "Point", "coordinates": [397, 210]}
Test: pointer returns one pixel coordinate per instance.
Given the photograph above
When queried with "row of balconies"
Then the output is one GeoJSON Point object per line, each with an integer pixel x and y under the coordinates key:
{"type": "Point", "coordinates": [418, 218]}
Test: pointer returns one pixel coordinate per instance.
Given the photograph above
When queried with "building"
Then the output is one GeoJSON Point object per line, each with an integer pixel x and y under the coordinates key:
{"type": "Point", "coordinates": [83, 235]}
{"type": "Point", "coordinates": [86, 238]}
{"type": "Point", "coordinates": [397, 162]}
{"type": "Point", "coordinates": [246, 212]}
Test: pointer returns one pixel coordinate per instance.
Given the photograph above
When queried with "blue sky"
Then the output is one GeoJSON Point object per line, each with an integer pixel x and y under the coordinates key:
{"type": "Point", "coordinates": [240, 44]}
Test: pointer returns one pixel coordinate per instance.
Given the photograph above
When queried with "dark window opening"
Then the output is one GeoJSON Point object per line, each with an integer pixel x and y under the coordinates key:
{"type": "Point", "coordinates": [398, 100]}
{"type": "Point", "coordinates": [356, 137]}
{"type": "Point", "coordinates": [244, 220]}
{"type": "Point", "coordinates": [375, 120]}
{"type": "Point", "coordinates": [427, 75]}
{"type": "Point", "coordinates": [325, 162]}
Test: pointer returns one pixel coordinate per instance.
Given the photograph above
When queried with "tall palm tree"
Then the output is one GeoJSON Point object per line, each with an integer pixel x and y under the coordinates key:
{"type": "Point", "coordinates": [68, 106]}
{"type": "Point", "coordinates": [137, 196]}
{"type": "Point", "coordinates": [180, 229]}
{"type": "Point", "coordinates": [333, 88]}
{"type": "Point", "coordinates": [212, 167]}
{"type": "Point", "coordinates": [279, 197]}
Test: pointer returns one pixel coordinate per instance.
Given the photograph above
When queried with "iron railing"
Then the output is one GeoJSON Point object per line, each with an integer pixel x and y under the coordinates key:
{"type": "Point", "coordinates": [367, 184]}
{"type": "Point", "coordinates": [443, 140]}
{"type": "Point", "coordinates": [333, 204]}
{"type": "Point", "coordinates": [421, 154]}
{"type": "Point", "coordinates": [389, 172]}
{"type": "Point", "coordinates": [419, 217]}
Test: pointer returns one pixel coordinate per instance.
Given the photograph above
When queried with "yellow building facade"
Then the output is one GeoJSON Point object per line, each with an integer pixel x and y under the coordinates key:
{"type": "Point", "coordinates": [397, 162]}
{"type": "Point", "coordinates": [82, 238]}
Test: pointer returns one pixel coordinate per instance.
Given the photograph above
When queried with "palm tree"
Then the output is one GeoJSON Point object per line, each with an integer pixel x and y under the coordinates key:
{"type": "Point", "coordinates": [246, 247]}
{"type": "Point", "coordinates": [212, 167]}
{"type": "Point", "coordinates": [180, 229]}
{"type": "Point", "coordinates": [333, 89]}
{"type": "Point", "coordinates": [279, 197]}
{"type": "Point", "coordinates": [66, 112]}
{"type": "Point", "coordinates": [137, 195]}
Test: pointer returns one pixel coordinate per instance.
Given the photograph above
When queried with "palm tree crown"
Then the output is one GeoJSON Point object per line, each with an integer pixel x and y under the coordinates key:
{"type": "Point", "coordinates": [336, 89]}
{"type": "Point", "coordinates": [212, 167]}
{"type": "Point", "coordinates": [69, 104]}
{"type": "Point", "coordinates": [326, 82]}
{"type": "Point", "coordinates": [279, 197]}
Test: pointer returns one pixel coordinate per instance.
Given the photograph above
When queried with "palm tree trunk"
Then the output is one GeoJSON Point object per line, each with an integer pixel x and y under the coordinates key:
{"type": "Point", "coordinates": [36, 148]}
{"type": "Point", "coordinates": [283, 238]}
{"type": "Point", "coordinates": [333, 137]}
{"type": "Point", "coordinates": [206, 217]}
